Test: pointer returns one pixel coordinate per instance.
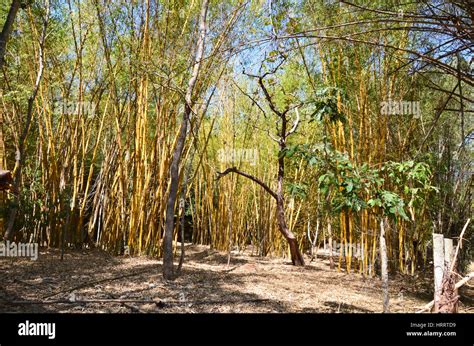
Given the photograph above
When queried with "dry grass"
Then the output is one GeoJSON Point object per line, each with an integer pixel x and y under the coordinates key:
{"type": "Point", "coordinates": [249, 284]}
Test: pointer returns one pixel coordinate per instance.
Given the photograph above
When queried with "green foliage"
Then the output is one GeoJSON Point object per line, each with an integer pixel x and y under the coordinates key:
{"type": "Point", "coordinates": [357, 187]}
{"type": "Point", "coordinates": [391, 204]}
{"type": "Point", "coordinates": [325, 105]}
{"type": "Point", "coordinates": [413, 178]}
{"type": "Point", "coordinates": [297, 190]}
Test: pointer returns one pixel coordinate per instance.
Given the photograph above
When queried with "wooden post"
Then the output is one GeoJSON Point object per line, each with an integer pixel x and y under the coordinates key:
{"type": "Point", "coordinates": [438, 263]}
{"type": "Point", "coordinates": [448, 253]}
{"type": "Point", "coordinates": [448, 259]}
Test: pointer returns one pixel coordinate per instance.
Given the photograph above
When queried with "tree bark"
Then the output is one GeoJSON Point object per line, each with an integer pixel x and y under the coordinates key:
{"type": "Point", "coordinates": [295, 253]}
{"type": "Point", "coordinates": [168, 269]}
{"type": "Point", "coordinates": [7, 29]}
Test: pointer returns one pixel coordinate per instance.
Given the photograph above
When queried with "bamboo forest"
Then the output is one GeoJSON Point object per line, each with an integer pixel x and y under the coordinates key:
{"type": "Point", "coordinates": [236, 156]}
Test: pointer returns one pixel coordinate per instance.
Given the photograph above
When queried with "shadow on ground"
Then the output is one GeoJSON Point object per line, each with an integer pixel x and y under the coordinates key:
{"type": "Point", "coordinates": [93, 275]}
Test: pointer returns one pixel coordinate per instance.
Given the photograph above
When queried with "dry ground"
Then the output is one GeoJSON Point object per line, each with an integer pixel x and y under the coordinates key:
{"type": "Point", "coordinates": [93, 281]}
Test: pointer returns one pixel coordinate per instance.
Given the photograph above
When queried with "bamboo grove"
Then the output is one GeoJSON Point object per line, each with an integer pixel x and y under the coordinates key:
{"type": "Point", "coordinates": [92, 93]}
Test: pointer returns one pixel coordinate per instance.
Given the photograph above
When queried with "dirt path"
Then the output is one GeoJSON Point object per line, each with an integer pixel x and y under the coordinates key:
{"type": "Point", "coordinates": [251, 284]}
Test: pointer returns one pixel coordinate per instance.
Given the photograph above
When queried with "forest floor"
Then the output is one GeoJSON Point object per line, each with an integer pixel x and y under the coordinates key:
{"type": "Point", "coordinates": [93, 281]}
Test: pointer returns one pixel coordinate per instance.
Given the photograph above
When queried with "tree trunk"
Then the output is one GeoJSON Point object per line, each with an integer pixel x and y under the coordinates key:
{"type": "Point", "coordinates": [315, 245]}
{"type": "Point", "coordinates": [296, 255]}
{"type": "Point", "coordinates": [7, 29]}
{"type": "Point", "coordinates": [331, 258]}
{"type": "Point", "coordinates": [308, 230]}
{"type": "Point", "coordinates": [168, 270]}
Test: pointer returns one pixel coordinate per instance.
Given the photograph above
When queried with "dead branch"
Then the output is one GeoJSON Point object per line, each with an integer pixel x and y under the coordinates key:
{"type": "Point", "coordinates": [158, 303]}
{"type": "Point", "coordinates": [92, 283]}
{"type": "Point", "coordinates": [251, 177]}
{"type": "Point", "coordinates": [295, 124]}
{"type": "Point", "coordinates": [459, 284]}
{"type": "Point", "coordinates": [459, 245]}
